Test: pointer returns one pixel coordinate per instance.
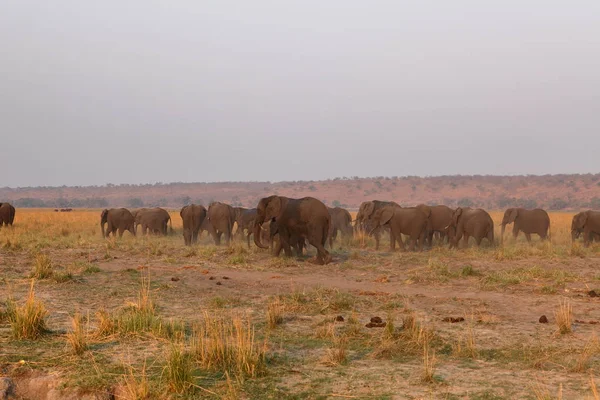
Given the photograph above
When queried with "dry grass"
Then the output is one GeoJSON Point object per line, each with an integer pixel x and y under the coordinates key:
{"type": "Point", "coordinates": [27, 321]}
{"type": "Point", "coordinates": [135, 386]}
{"type": "Point", "coordinates": [429, 362]}
{"type": "Point", "coordinates": [178, 371]}
{"type": "Point", "coordinates": [274, 313]}
{"type": "Point", "coordinates": [228, 345]}
{"type": "Point", "coordinates": [78, 337]}
{"type": "Point", "coordinates": [42, 267]}
{"type": "Point", "coordinates": [564, 317]}
{"type": "Point", "coordinates": [337, 353]}
{"type": "Point", "coordinates": [591, 349]}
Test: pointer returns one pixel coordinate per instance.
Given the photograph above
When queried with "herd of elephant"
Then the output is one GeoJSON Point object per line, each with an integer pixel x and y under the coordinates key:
{"type": "Point", "coordinates": [287, 223]}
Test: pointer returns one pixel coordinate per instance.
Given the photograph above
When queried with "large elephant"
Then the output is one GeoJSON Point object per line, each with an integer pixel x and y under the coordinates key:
{"type": "Point", "coordinates": [296, 218]}
{"type": "Point", "coordinates": [222, 218]}
{"type": "Point", "coordinates": [193, 216]}
{"type": "Point", "coordinates": [527, 221]}
{"type": "Point", "coordinates": [588, 223]}
{"type": "Point", "coordinates": [155, 220]}
{"type": "Point", "coordinates": [244, 219]}
{"type": "Point", "coordinates": [7, 214]}
{"type": "Point", "coordinates": [364, 221]}
{"type": "Point", "coordinates": [119, 219]}
{"type": "Point", "coordinates": [439, 218]}
{"type": "Point", "coordinates": [409, 221]}
{"type": "Point", "coordinates": [469, 222]}
{"type": "Point", "coordinates": [341, 220]}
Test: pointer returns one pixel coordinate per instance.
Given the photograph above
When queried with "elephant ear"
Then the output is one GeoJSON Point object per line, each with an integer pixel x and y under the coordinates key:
{"type": "Point", "coordinates": [274, 207]}
{"type": "Point", "coordinates": [369, 207]}
{"type": "Point", "coordinates": [513, 215]}
{"type": "Point", "coordinates": [582, 220]}
{"type": "Point", "coordinates": [386, 214]}
{"type": "Point", "coordinates": [457, 213]}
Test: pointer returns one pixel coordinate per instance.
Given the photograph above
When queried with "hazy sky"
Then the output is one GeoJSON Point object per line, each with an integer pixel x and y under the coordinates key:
{"type": "Point", "coordinates": [94, 92]}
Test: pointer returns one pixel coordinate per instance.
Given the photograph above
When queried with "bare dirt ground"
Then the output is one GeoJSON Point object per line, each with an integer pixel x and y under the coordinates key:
{"type": "Point", "coordinates": [493, 347]}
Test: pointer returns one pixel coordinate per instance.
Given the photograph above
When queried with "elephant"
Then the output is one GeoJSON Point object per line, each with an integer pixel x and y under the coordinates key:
{"type": "Point", "coordinates": [296, 218]}
{"type": "Point", "coordinates": [469, 222]}
{"type": "Point", "coordinates": [297, 243]}
{"type": "Point", "coordinates": [7, 214]}
{"type": "Point", "coordinates": [207, 226]}
{"type": "Point", "coordinates": [409, 221]}
{"type": "Point", "coordinates": [192, 216]}
{"type": "Point", "coordinates": [244, 219]}
{"type": "Point", "coordinates": [365, 213]}
{"type": "Point", "coordinates": [222, 218]}
{"type": "Point", "coordinates": [119, 219]}
{"type": "Point", "coordinates": [588, 223]}
{"type": "Point", "coordinates": [341, 220]}
{"type": "Point", "coordinates": [439, 218]}
{"type": "Point", "coordinates": [528, 221]}
{"type": "Point", "coordinates": [155, 220]}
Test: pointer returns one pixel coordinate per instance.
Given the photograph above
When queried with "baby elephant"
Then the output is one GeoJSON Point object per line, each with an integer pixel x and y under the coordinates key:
{"type": "Point", "coordinates": [527, 221]}
{"type": "Point", "coordinates": [469, 222]}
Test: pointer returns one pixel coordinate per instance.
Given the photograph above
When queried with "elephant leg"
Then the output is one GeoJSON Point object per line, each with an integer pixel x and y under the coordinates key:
{"type": "Point", "coordinates": [392, 241]}
{"type": "Point", "coordinates": [121, 230]}
{"type": "Point", "coordinates": [478, 240]}
{"type": "Point", "coordinates": [466, 240]}
{"type": "Point", "coordinates": [377, 236]}
{"type": "Point", "coordinates": [398, 238]}
{"type": "Point", "coordinates": [528, 237]}
{"type": "Point", "coordinates": [248, 237]}
{"type": "Point", "coordinates": [587, 237]}
{"type": "Point", "coordinates": [515, 232]}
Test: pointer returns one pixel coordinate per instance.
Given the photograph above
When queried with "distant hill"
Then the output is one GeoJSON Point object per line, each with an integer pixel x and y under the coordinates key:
{"type": "Point", "coordinates": [553, 192]}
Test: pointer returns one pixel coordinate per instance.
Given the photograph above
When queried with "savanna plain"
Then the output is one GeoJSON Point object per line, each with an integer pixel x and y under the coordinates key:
{"type": "Point", "coordinates": [146, 317]}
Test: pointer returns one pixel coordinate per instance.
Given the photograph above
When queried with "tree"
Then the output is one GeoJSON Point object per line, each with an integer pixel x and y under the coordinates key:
{"type": "Point", "coordinates": [336, 203]}
{"type": "Point", "coordinates": [135, 202]}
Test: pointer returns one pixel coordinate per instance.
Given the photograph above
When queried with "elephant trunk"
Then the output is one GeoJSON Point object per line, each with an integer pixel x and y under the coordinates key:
{"type": "Point", "coordinates": [256, 233]}
{"type": "Point", "coordinates": [102, 226]}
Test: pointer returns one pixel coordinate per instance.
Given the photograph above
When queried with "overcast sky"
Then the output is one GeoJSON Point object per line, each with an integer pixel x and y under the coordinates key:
{"type": "Point", "coordinates": [142, 91]}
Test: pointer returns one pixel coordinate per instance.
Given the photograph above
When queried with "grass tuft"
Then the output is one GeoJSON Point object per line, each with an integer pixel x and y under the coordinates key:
{"type": "Point", "coordinates": [564, 317]}
{"type": "Point", "coordinates": [42, 267]}
{"type": "Point", "coordinates": [77, 338]}
{"type": "Point", "coordinates": [27, 321]}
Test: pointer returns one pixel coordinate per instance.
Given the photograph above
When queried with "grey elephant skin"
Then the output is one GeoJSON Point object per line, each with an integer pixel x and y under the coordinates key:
{"type": "Point", "coordinates": [588, 223]}
{"type": "Point", "coordinates": [341, 221]}
{"type": "Point", "coordinates": [222, 218]}
{"type": "Point", "coordinates": [529, 222]}
{"type": "Point", "coordinates": [192, 216]}
{"type": "Point", "coordinates": [439, 218]}
{"type": "Point", "coordinates": [153, 220]}
{"type": "Point", "coordinates": [297, 243]}
{"type": "Point", "coordinates": [296, 218]}
{"type": "Point", "coordinates": [7, 214]}
{"type": "Point", "coordinates": [365, 215]}
{"type": "Point", "coordinates": [116, 219]}
{"type": "Point", "coordinates": [409, 221]}
{"type": "Point", "coordinates": [244, 218]}
{"type": "Point", "coordinates": [467, 222]}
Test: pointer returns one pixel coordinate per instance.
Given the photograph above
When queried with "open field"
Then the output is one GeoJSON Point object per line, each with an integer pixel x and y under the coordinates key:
{"type": "Point", "coordinates": [147, 317]}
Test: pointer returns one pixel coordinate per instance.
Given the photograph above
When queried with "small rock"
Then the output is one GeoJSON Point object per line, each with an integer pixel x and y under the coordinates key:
{"type": "Point", "coordinates": [212, 278]}
{"type": "Point", "coordinates": [592, 293]}
{"type": "Point", "coordinates": [339, 318]}
{"type": "Point", "coordinates": [219, 283]}
{"type": "Point", "coordinates": [376, 320]}
{"type": "Point", "coordinates": [225, 277]}
{"type": "Point", "coordinates": [543, 319]}
{"type": "Point", "coordinates": [376, 325]}
{"type": "Point", "coordinates": [453, 320]}
{"type": "Point", "coordinates": [174, 279]}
